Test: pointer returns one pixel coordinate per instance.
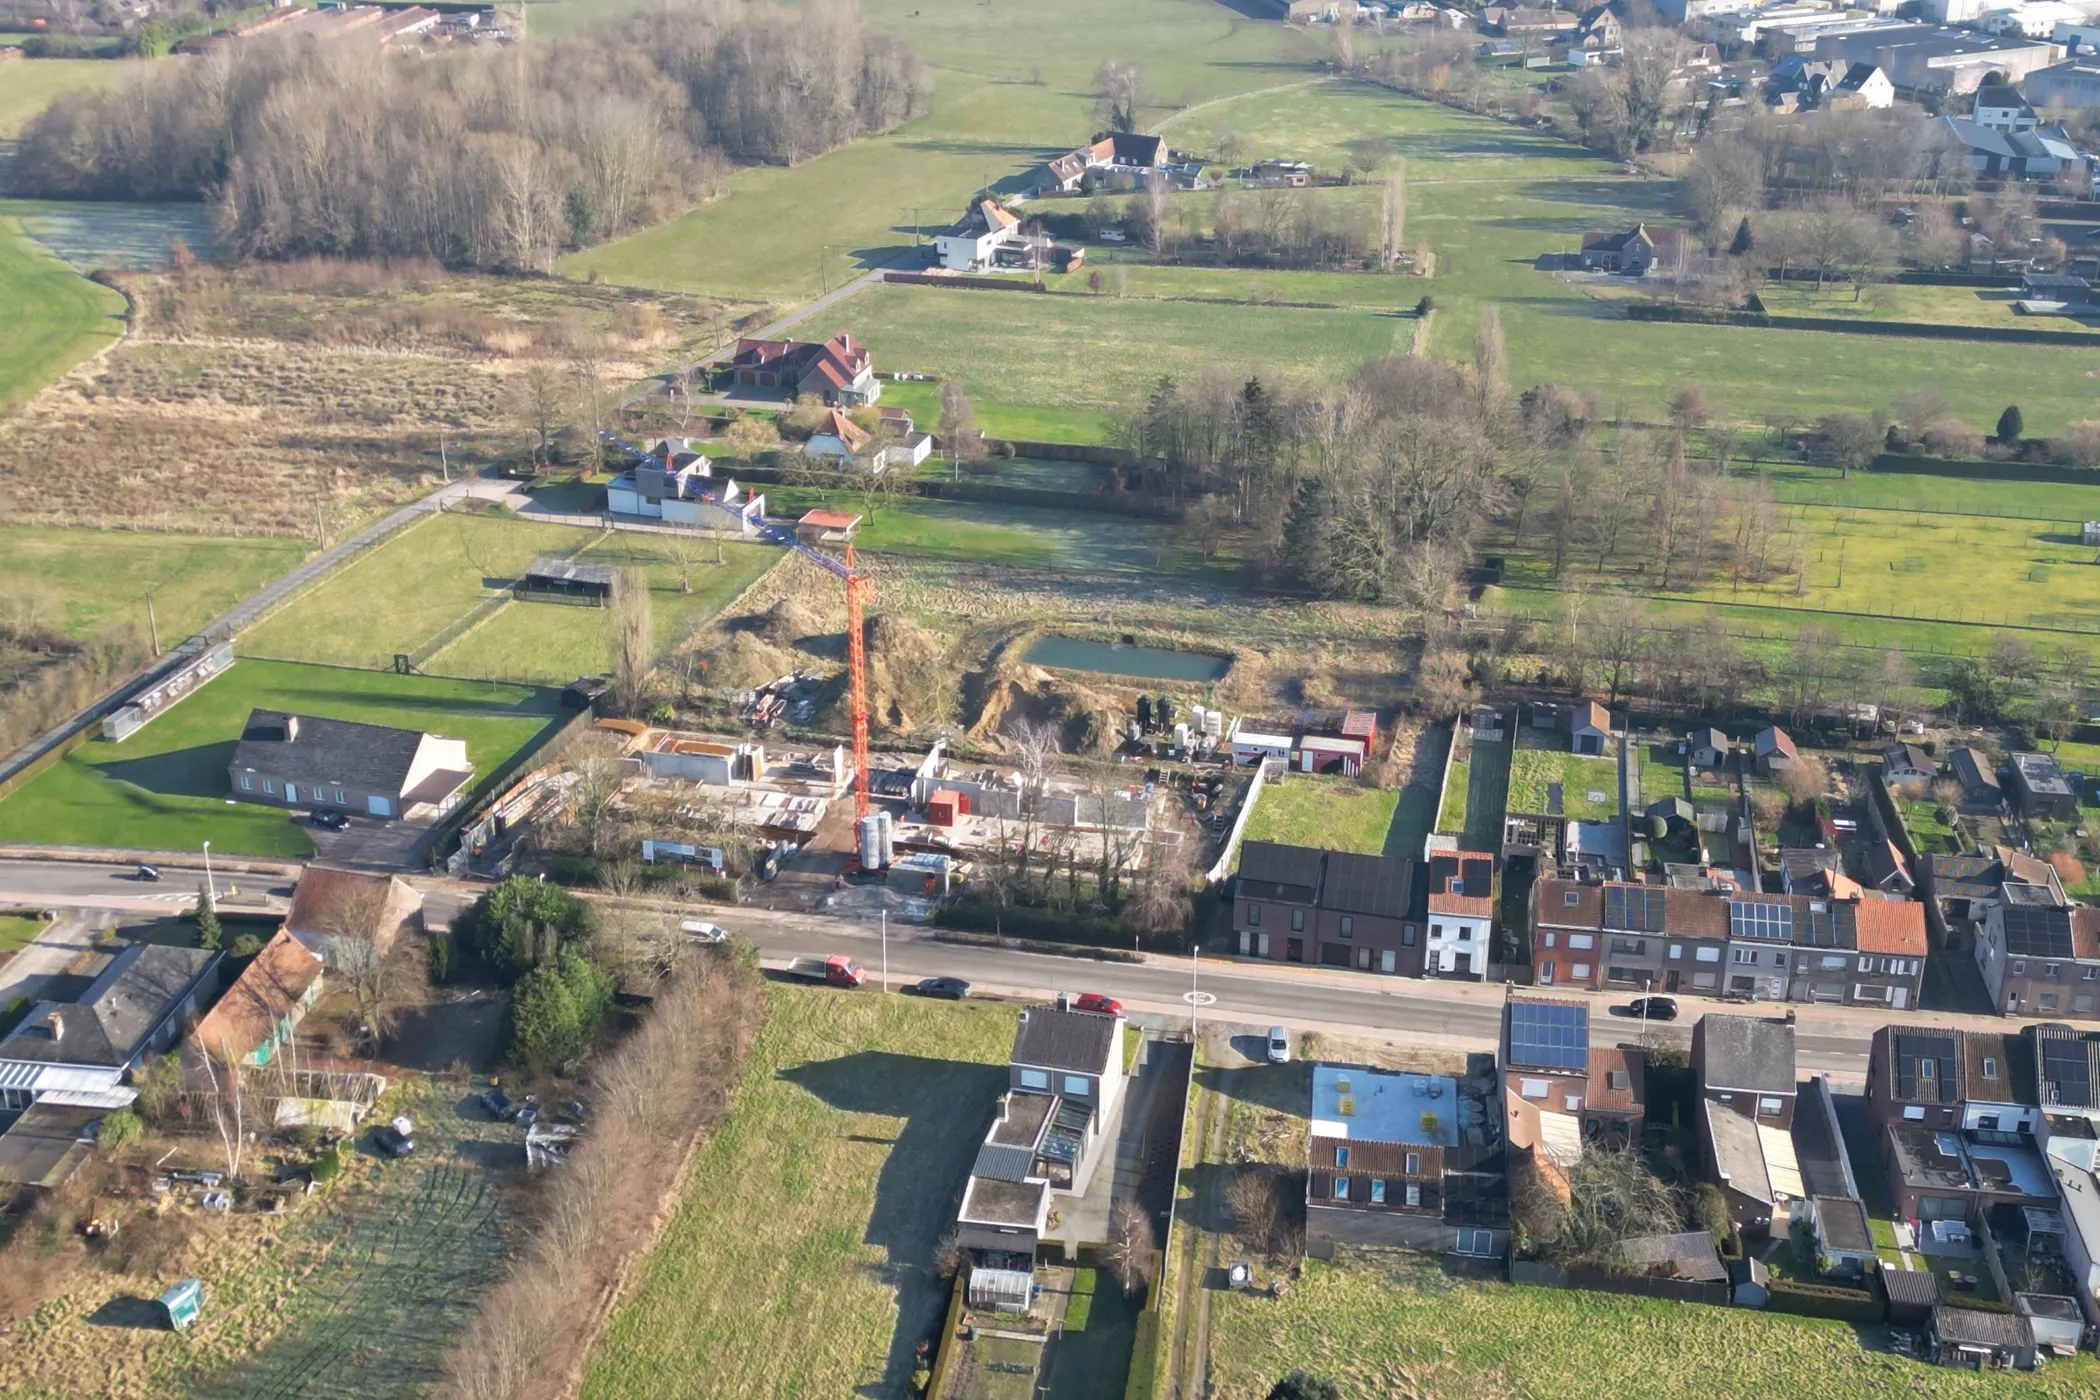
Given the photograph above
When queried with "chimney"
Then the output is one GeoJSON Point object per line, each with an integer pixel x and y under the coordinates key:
{"type": "Point", "coordinates": [1064, 1003]}
{"type": "Point", "coordinates": [291, 728]}
{"type": "Point", "coordinates": [55, 1025]}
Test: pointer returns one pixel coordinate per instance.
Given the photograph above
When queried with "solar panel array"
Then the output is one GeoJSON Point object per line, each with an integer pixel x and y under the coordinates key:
{"type": "Point", "coordinates": [2037, 933]}
{"type": "Point", "coordinates": [1757, 919]}
{"type": "Point", "coordinates": [1549, 1035]}
{"type": "Point", "coordinates": [1633, 910]}
{"type": "Point", "coordinates": [1822, 926]}
{"type": "Point", "coordinates": [2066, 1072]}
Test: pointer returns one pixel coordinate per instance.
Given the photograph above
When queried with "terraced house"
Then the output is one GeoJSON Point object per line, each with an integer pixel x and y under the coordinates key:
{"type": "Point", "coordinates": [1301, 904]}
{"type": "Point", "coordinates": [2039, 955]}
{"type": "Point", "coordinates": [1864, 951]}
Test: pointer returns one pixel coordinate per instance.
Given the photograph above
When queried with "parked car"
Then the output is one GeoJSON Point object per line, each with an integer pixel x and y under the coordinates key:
{"type": "Point", "coordinates": [946, 988]}
{"type": "Point", "coordinates": [701, 931]}
{"type": "Point", "coordinates": [1279, 1046]}
{"type": "Point", "coordinates": [1114, 235]}
{"type": "Point", "coordinates": [330, 821]}
{"type": "Point", "coordinates": [1654, 1008]}
{"type": "Point", "coordinates": [838, 970]}
{"type": "Point", "coordinates": [498, 1104]}
{"type": "Point", "coordinates": [148, 873]}
{"type": "Point", "coordinates": [1095, 1001]}
{"type": "Point", "coordinates": [528, 1112]}
{"type": "Point", "coordinates": [391, 1141]}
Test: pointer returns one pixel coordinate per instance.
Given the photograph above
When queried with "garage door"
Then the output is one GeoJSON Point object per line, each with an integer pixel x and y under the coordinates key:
{"type": "Point", "coordinates": [379, 806]}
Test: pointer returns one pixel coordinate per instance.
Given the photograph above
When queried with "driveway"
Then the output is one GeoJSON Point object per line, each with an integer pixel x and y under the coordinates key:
{"type": "Point", "coordinates": [368, 842]}
{"type": "Point", "coordinates": [50, 954]}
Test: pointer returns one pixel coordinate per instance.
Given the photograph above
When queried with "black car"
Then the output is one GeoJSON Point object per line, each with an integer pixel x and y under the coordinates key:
{"type": "Point", "coordinates": [392, 1141]}
{"type": "Point", "coordinates": [498, 1105]}
{"type": "Point", "coordinates": [146, 873]}
{"type": "Point", "coordinates": [331, 821]}
{"type": "Point", "coordinates": [1654, 1008]}
{"type": "Point", "coordinates": [947, 988]}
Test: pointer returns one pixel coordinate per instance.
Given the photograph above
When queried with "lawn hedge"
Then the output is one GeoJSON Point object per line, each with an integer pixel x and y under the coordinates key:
{"type": "Point", "coordinates": [1924, 330]}
{"type": "Point", "coordinates": [1144, 1359]}
{"type": "Point", "coordinates": [1021, 921]}
{"type": "Point", "coordinates": [1822, 1300]}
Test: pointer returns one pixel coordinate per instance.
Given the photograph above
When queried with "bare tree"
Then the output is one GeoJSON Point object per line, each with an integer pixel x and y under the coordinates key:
{"type": "Point", "coordinates": [228, 1105]}
{"type": "Point", "coordinates": [357, 957]}
{"type": "Point", "coordinates": [1392, 216]}
{"type": "Point", "coordinates": [1119, 93]}
{"type": "Point", "coordinates": [541, 402]}
{"type": "Point", "coordinates": [629, 642]}
{"type": "Point", "coordinates": [1132, 1240]}
{"type": "Point", "coordinates": [1251, 1196]}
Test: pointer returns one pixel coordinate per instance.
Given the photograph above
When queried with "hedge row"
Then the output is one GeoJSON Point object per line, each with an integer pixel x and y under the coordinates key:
{"type": "Point", "coordinates": [990, 493]}
{"type": "Point", "coordinates": [1022, 921]}
{"type": "Point", "coordinates": [1973, 470]}
{"type": "Point", "coordinates": [1821, 1300]}
{"type": "Point", "coordinates": [1144, 1359]}
{"type": "Point", "coordinates": [1710, 316]}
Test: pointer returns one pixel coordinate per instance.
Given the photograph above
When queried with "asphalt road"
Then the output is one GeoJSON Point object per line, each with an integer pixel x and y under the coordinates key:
{"type": "Point", "coordinates": [1456, 1015]}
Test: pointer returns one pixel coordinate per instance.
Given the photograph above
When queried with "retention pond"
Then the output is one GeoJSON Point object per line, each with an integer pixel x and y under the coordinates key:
{"type": "Point", "coordinates": [1117, 659]}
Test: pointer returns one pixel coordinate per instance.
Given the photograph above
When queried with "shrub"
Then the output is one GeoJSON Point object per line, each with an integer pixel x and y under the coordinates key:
{"type": "Point", "coordinates": [246, 946]}
{"type": "Point", "coordinates": [1144, 1359]}
{"type": "Point", "coordinates": [12, 1015]}
{"type": "Point", "coordinates": [521, 924]}
{"type": "Point", "coordinates": [1824, 1300]}
{"type": "Point", "coordinates": [1950, 437]}
{"type": "Point", "coordinates": [329, 1165]}
{"type": "Point", "coordinates": [557, 1010]}
{"type": "Point", "coordinates": [1303, 1385]}
{"type": "Point", "coordinates": [123, 1126]}
{"type": "Point", "coordinates": [2010, 425]}
{"type": "Point", "coordinates": [1426, 305]}
{"type": "Point", "coordinates": [440, 957]}
{"type": "Point", "coordinates": [1710, 1209]}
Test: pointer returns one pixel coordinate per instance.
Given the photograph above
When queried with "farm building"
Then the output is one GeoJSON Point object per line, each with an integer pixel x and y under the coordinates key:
{"type": "Point", "coordinates": [262, 1009]}
{"type": "Point", "coordinates": [566, 581]}
{"type": "Point", "coordinates": [305, 761]}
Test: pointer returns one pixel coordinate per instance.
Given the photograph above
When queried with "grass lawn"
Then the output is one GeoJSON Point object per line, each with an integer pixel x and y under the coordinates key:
{"type": "Point", "coordinates": [1303, 809]}
{"type": "Point", "coordinates": [1453, 816]}
{"type": "Point", "coordinates": [165, 787]}
{"type": "Point", "coordinates": [800, 1262]}
{"type": "Point", "coordinates": [28, 85]}
{"type": "Point", "coordinates": [1532, 770]}
{"type": "Point", "coordinates": [1921, 817]}
{"type": "Point", "coordinates": [1394, 1324]}
{"type": "Point", "coordinates": [554, 644]}
{"type": "Point", "coordinates": [1892, 301]}
{"type": "Point", "coordinates": [55, 318]}
{"type": "Point", "coordinates": [1093, 1353]}
{"type": "Point", "coordinates": [17, 930]}
{"type": "Point", "coordinates": [1922, 492]}
{"type": "Point", "coordinates": [1661, 771]}
{"type": "Point", "coordinates": [396, 596]}
{"type": "Point", "coordinates": [95, 579]}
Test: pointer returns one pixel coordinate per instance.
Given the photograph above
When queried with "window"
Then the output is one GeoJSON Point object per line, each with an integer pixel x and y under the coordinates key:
{"type": "Point", "coordinates": [1414, 1193]}
{"type": "Point", "coordinates": [1779, 959]}
{"type": "Point", "coordinates": [1619, 1079]}
{"type": "Point", "coordinates": [1990, 1067]}
{"type": "Point", "coordinates": [1706, 954]}
{"type": "Point", "coordinates": [1635, 946]}
{"type": "Point", "coordinates": [1914, 1113]}
{"type": "Point", "coordinates": [1414, 1163]}
{"type": "Point", "coordinates": [1676, 950]}
{"type": "Point", "coordinates": [2019, 967]}
{"type": "Point", "coordinates": [1035, 1079]}
{"type": "Point", "coordinates": [1928, 1069]}
{"type": "Point", "coordinates": [1867, 964]}
{"type": "Point", "coordinates": [2082, 1001]}
{"type": "Point", "coordinates": [1746, 955]}
{"type": "Point", "coordinates": [1986, 1122]}
{"type": "Point", "coordinates": [1077, 1087]}
{"type": "Point", "coordinates": [2048, 1001]}
{"type": "Point", "coordinates": [1705, 981]}
{"type": "Point", "coordinates": [247, 783]}
{"type": "Point", "coordinates": [1550, 939]}
{"type": "Point", "coordinates": [1546, 973]}
{"type": "Point", "coordinates": [1572, 898]}
{"type": "Point", "coordinates": [1388, 961]}
{"type": "Point", "coordinates": [1254, 914]}
{"type": "Point", "coordinates": [1348, 926]}
{"type": "Point", "coordinates": [270, 786]}
{"type": "Point", "coordinates": [1407, 938]}
{"type": "Point", "coordinates": [1297, 921]}
{"type": "Point", "coordinates": [1536, 1089]}
{"type": "Point", "coordinates": [1582, 940]}
{"type": "Point", "coordinates": [1378, 1193]}
{"type": "Point", "coordinates": [1572, 1103]}
{"type": "Point", "coordinates": [1476, 1241]}
{"type": "Point", "coordinates": [1580, 972]}
{"type": "Point", "coordinates": [1341, 1188]}
{"type": "Point", "coordinates": [1436, 930]}
{"type": "Point", "coordinates": [2090, 974]}
{"type": "Point", "coordinates": [1767, 1107]}
{"type": "Point", "coordinates": [1832, 963]}
{"type": "Point", "coordinates": [1341, 1156]}
{"type": "Point", "coordinates": [2052, 971]}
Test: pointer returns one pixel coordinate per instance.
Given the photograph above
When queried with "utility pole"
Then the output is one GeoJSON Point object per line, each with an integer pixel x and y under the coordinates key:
{"type": "Point", "coordinates": [153, 623]}
{"type": "Point", "coordinates": [885, 950]}
{"type": "Point", "coordinates": [210, 888]}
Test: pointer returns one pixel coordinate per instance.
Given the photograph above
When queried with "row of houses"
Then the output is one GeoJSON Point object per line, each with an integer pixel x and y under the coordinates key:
{"type": "Point", "coordinates": [72, 1058]}
{"type": "Point", "coordinates": [1390, 915]}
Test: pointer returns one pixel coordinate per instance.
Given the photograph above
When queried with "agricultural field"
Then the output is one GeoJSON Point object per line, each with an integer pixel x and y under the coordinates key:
{"type": "Point", "coordinates": [28, 85]}
{"type": "Point", "coordinates": [1339, 814]}
{"type": "Point", "coordinates": [165, 787]}
{"type": "Point", "coordinates": [553, 644]}
{"type": "Point", "coordinates": [1891, 301]}
{"type": "Point", "coordinates": [800, 1262]}
{"type": "Point", "coordinates": [1380, 1324]}
{"type": "Point", "coordinates": [82, 582]}
{"type": "Point", "coordinates": [1535, 771]}
{"type": "Point", "coordinates": [360, 1290]}
{"type": "Point", "coordinates": [56, 318]}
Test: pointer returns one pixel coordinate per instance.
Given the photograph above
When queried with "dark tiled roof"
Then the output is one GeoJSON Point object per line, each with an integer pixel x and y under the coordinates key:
{"type": "Point", "coordinates": [1818, 1149]}
{"type": "Point", "coordinates": [2067, 1071]}
{"type": "Point", "coordinates": [308, 749]}
{"type": "Point", "coordinates": [1918, 1288]}
{"type": "Point", "coordinates": [1080, 1041]}
{"type": "Point", "coordinates": [1372, 885]}
{"type": "Point", "coordinates": [1747, 1053]}
{"type": "Point", "coordinates": [1270, 870]}
{"type": "Point", "coordinates": [1690, 1255]}
{"type": "Point", "coordinates": [123, 1004]}
{"type": "Point", "coordinates": [2011, 1063]}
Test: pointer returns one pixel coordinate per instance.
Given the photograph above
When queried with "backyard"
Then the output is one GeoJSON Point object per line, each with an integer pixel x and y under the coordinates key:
{"type": "Point", "coordinates": [1339, 814]}
{"type": "Point", "coordinates": [800, 1260]}
{"type": "Point", "coordinates": [1554, 782]}
{"type": "Point", "coordinates": [1382, 1324]}
{"type": "Point", "coordinates": [165, 787]}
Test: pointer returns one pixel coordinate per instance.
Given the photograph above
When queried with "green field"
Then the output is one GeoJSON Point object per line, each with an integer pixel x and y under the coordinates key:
{"type": "Point", "coordinates": [799, 1263]}
{"type": "Point", "coordinates": [1303, 809]}
{"type": "Point", "coordinates": [395, 597]}
{"type": "Point", "coordinates": [28, 85]}
{"type": "Point", "coordinates": [165, 787]}
{"type": "Point", "coordinates": [55, 318]}
{"type": "Point", "coordinates": [1532, 770]}
{"type": "Point", "coordinates": [17, 931]}
{"type": "Point", "coordinates": [554, 644]}
{"type": "Point", "coordinates": [1918, 492]}
{"type": "Point", "coordinates": [1386, 1324]}
{"type": "Point", "coordinates": [1891, 301]}
{"type": "Point", "coordinates": [90, 580]}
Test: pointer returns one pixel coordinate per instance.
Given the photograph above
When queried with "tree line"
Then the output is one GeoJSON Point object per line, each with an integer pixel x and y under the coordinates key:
{"type": "Point", "coordinates": [496, 158]}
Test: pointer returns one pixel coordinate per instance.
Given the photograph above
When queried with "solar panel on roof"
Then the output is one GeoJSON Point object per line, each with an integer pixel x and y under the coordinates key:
{"type": "Point", "coordinates": [1757, 919]}
{"type": "Point", "coordinates": [2037, 933]}
{"type": "Point", "coordinates": [1547, 1035]}
{"type": "Point", "coordinates": [2065, 1071]}
{"type": "Point", "coordinates": [1633, 910]}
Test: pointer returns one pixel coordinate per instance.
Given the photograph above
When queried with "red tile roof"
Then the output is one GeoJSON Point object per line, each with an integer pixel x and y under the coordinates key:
{"type": "Point", "coordinates": [829, 520]}
{"type": "Point", "coordinates": [268, 989]}
{"type": "Point", "coordinates": [1891, 926]}
{"type": "Point", "coordinates": [1604, 1062]}
{"type": "Point", "coordinates": [2085, 932]}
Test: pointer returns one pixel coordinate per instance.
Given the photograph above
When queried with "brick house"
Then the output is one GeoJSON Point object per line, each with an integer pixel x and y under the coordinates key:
{"type": "Point", "coordinates": [1392, 1159]}
{"type": "Point", "coordinates": [1954, 1114]}
{"type": "Point", "coordinates": [2040, 957]}
{"type": "Point", "coordinates": [1337, 908]}
{"type": "Point", "coordinates": [838, 371]}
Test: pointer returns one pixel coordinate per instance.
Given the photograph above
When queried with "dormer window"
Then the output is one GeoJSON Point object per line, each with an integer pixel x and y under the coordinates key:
{"type": "Point", "coordinates": [1990, 1067]}
{"type": "Point", "coordinates": [1926, 1069]}
{"type": "Point", "coordinates": [1572, 898]}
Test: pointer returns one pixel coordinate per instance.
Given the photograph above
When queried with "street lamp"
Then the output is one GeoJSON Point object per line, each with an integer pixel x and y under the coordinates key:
{"type": "Point", "coordinates": [211, 890]}
{"type": "Point", "coordinates": [885, 950]}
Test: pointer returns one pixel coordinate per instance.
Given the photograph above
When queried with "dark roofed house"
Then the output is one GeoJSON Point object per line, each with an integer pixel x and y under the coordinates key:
{"type": "Point", "coordinates": [1284, 874]}
{"type": "Point", "coordinates": [1708, 748]}
{"type": "Point", "coordinates": [2039, 957]}
{"type": "Point", "coordinates": [2042, 787]}
{"type": "Point", "coordinates": [566, 581]}
{"type": "Point", "coordinates": [289, 760]}
{"type": "Point", "coordinates": [1690, 1256]}
{"type": "Point", "coordinates": [1978, 778]}
{"type": "Point", "coordinates": [1907, 763]}
{"type": "Point", "coordinates": [1338, 908]}
{"type": "Point", "coordinates": [1774, 749]}
{"type": "Point", "coordinates": [1636, 252]}
{"type": "Point", "coordinates": [42, 1149]}
{"type": "Point", "coordinates": [1747, 1063]}
{"type": "Point", "coordinates": [137, 1004]}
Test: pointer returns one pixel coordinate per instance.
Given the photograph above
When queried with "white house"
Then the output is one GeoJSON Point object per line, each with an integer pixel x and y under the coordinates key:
{"type": "Point", "coordinates": [1461, 914]}
{"type": "Point", "coordinates": [1864, 85]}
{"type": "Point", "coordinates": [2001, 107]}
{"type": "Point", "coordinates": [978, 242]}
{"type": "Point", "coordinates": [677, 485]}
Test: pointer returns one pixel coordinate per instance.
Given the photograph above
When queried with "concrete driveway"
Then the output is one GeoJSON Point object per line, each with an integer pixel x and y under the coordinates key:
{"type": "Point", "coordinates": [367, 841]}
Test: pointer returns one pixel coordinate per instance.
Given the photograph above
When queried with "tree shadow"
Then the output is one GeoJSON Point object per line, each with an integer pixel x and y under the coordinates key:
{"type": "Point", "coordinates": [1285, 1088]}
{"type": "Point", "coordinates": [945, 1107]}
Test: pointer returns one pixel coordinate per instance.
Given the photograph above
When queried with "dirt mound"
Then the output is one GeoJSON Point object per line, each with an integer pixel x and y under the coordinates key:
{"type": "Point", "coordinates": [788, 621]}
{"type": "Point", "coordinates": [741, 661]}
{"type": "Point", "coordinates": [1088, 720]}
{"type": "Point", "coordinates": [910, 684]}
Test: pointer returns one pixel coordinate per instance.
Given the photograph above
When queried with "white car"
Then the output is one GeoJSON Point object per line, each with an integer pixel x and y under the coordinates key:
{"type": "Point", "coordinates": [1114, 235]}
{"type": "Point", "coordinates": [701, 931]}
{"type": "Point", "coordinates": [1279, 1046]}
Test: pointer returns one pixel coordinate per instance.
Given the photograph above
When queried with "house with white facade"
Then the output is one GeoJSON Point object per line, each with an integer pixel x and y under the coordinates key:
{"type": "Point", "coordinates": [77, 1053]}
{"type": "Point", "coordinates": [1461, 914]}
{"type": "Point", "coordinates": [677, 485]}
{"type": "Point", "coordinates": [989, 238]}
